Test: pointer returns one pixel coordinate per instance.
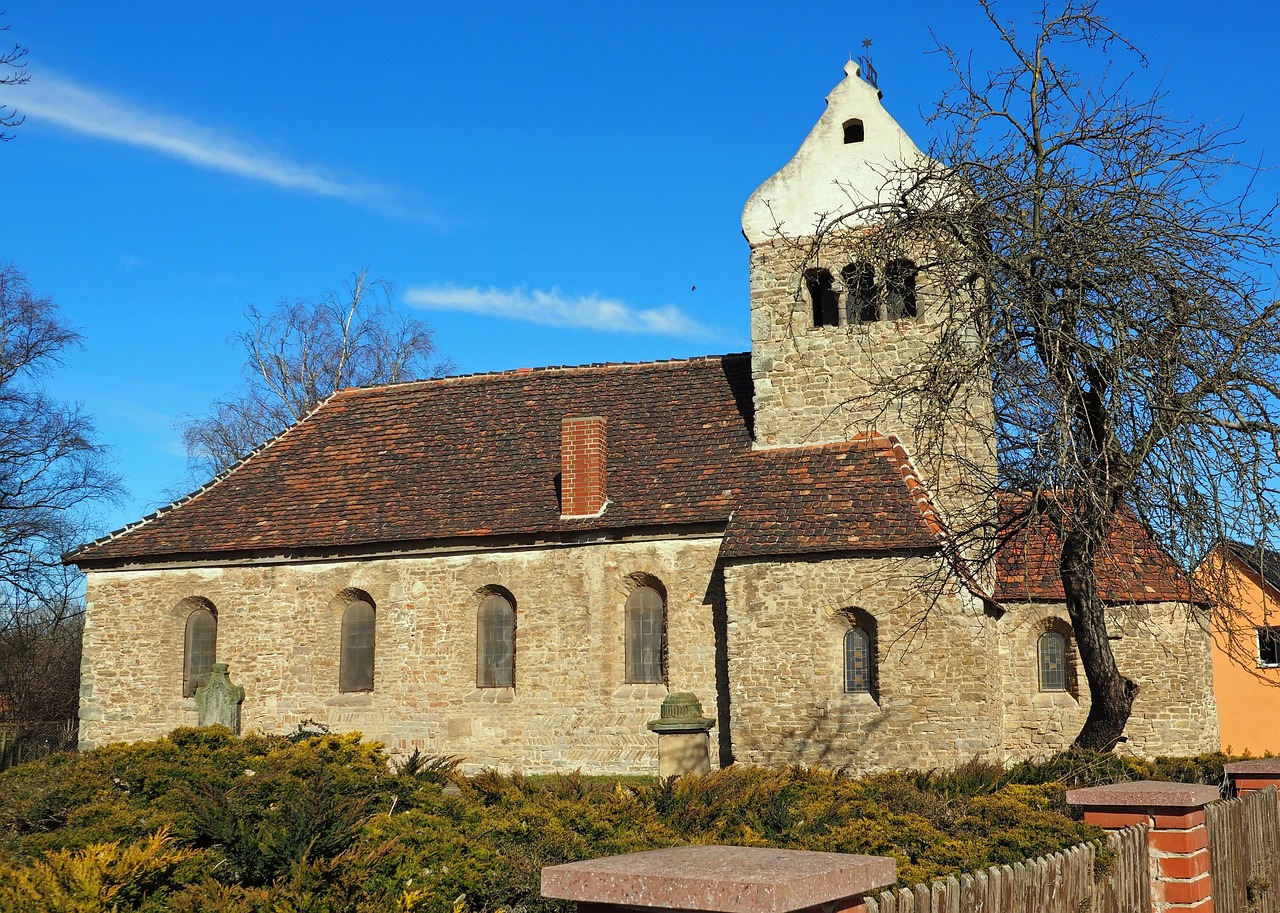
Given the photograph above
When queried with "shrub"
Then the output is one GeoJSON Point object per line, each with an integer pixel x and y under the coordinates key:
{"type": "Point", "coordinates": [318, 821]}
{"type": "Point", "coordinates": [101, 877]}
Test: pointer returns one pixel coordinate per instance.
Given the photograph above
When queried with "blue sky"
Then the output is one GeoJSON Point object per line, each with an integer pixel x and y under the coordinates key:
{"type": "Point", "coordinates": [575, 169]}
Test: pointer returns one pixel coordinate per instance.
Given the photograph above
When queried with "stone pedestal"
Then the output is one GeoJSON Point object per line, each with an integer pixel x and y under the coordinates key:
{"type": "Point", "coordinates": [218, 702]}
{"type": "Point", "coordinates": [684, 746]}
{"type": "Point", "coordinates": [1178, 838]}
{"type": "Point", "coordinates": [721, 879]}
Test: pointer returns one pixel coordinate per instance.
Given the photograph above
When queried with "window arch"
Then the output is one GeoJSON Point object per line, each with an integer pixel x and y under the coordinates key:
{"type": "Point", "coordinates": [355, 665]}
{"type": "Point", "coordinates": [860, 654]}
{"type": "Point", "coordinates": [853, 131]}
{"type": "Point", "coordinates": [200, 645]}
{"type": "Point", "coordinates": [496, 640]}
{"type": "Point", "coordinates": [646, 635]}
{"type": "Point", "coordinates": [826, 301]}
{"type": "Point", "coordinates": [861, 304]}
{"type": "Point", "coordinates": [900, 289]}
{"type": "Point", "coordinates": [1051, 656]}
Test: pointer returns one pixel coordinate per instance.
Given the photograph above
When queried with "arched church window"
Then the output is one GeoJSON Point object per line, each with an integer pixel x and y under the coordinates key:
{"type": "Point", "coordinates": [826, 301]}
{"type": "Point", "coordinates": [496, 643]}
{"type": "Point", "coordinates": [1051, 653]}
{"type": "Point", "coordinates": [858, 661]}
{"type": "Point", "coordinates": [200, 646]}
{"type": "Point", "coordinates": [853, 131]}
{"type": "Point", "coordinates": [900, 289]}
{"type": "Point", "coordinates": [645, 636]}
{"type": "Point", "coordinates": [355, 667]}
{"type": "Point", "coordinates": [861, 305]}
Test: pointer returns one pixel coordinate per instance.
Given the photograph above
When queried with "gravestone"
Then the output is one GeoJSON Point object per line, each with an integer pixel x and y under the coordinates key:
{"type": "Point", "coordinates": [218, 702]}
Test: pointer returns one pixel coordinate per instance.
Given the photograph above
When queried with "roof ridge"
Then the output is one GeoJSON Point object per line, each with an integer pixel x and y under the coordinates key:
{"type": "Point", "coordinates": [540, 370]}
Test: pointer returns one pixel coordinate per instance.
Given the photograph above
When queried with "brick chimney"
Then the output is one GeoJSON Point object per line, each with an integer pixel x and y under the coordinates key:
{"type": "Point", "coordinates": [582, 465]}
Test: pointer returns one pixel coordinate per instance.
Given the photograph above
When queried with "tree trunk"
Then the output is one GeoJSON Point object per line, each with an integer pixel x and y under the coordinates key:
{"type": "Point", "coordinates": [1111, 693]}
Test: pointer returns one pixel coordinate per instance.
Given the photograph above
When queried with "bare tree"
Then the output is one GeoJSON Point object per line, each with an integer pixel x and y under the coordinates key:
{"type": "Point", "coordinates": [13, 72]}
{"type": "Point", "coordinates": [51, 469]}
{"type": "Point", "coordinates": [51, 472]}
{"type": "Point", "coordinates": [300, 353]}
{"type": "Point", "coordinates": [1107, 280]}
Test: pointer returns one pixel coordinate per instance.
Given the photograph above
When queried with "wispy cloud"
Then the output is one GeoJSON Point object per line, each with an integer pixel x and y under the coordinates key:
{"type": "Point", "coordinates": [553, 308]}
{"type": "Point", "coordinates": [98, 114]}
{"type": "Point", "coordinates": [159, 427]}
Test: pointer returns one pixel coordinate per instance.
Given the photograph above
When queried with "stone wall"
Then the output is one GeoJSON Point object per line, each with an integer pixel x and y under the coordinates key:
{"type": "Point", "coordinates": [938, 681]}
{"type": "Point", "coordinates": [952, 683]}
{"type": "Point", "coordinates": [279, 625]}
{"type": "Point", "coordinates": [1162, 647]}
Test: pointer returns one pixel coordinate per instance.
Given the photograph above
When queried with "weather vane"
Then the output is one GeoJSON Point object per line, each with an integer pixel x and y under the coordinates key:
{"type": "Point", "coordinates": [868, 69]}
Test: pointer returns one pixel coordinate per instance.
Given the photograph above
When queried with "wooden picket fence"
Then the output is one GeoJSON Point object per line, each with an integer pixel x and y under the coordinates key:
{"type": "Point", "coordinates": [1244, 853]}
{"type": "Point", "coordinates": [1064, 882]}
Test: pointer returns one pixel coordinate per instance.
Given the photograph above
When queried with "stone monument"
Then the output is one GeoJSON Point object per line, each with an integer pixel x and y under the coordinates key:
{"type": "Point", "coordinates": [684, 746]}
{"type": "Point", "coordinates": [218, 702]}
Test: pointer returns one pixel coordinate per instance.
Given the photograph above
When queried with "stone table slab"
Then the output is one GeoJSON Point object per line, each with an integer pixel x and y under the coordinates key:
{"type": "Point", "coordinates": [728, 879]}
{"type": "Point", "coordinates": [1145, 794]}
{"type": "Point", "coordinates": [1257, 766]}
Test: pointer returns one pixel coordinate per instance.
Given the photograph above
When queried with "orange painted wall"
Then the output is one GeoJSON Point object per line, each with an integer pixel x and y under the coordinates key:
{"type": "Point", "coordinates": [1248, 696]}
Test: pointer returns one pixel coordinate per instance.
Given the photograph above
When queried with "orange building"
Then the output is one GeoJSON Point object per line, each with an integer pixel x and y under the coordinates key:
{"type": "Point", "coordinates": [1246, 651]}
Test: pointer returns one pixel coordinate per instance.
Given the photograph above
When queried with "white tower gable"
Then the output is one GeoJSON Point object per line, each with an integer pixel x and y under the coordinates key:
{"type": "Point", "coordinates": [835, 172]}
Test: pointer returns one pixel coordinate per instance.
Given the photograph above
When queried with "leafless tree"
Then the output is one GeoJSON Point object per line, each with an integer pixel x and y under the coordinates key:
{"type": "Point", "coordinates": [51, 472]}
{"type": "Point", "coordinates": [40, 655]}
{"type": "Point", "coordinates": [1110, 280]}
{"type": "Point", "coordinates": [300, 353]}
{"type": "Point", "coordinates": [13, 72]}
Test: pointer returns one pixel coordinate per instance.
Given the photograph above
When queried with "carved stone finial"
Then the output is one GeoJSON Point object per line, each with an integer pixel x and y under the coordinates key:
{"type": "Point", "coordinates": [218, 702]}
{"type": "Point", "coordinates": [683, 744]}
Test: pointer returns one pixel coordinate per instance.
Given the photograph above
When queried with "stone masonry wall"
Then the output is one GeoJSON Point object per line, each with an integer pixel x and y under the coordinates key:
{"type": "Point", "coordinates": [1161, 647]}
{"type": "Point", "coordinates": [279, 626]}
{"type": "Point", "coordinates": [938, 700]}
{"type": "Point", "coordinates": [824, 384]}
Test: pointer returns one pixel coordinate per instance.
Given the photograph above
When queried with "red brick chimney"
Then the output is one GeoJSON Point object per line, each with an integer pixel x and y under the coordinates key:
{"type": "Point", "coordinates": [582, 464]}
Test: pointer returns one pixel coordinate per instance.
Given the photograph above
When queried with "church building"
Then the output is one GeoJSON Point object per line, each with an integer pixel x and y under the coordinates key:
{"type": "Point", "coordinates": [516, 568]}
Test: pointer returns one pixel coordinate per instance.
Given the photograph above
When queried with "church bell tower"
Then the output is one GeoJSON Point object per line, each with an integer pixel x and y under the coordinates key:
{"type": "Point", "coordinates": [832, 331]}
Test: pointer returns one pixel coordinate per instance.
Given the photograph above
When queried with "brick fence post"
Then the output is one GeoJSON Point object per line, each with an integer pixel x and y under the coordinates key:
{"type": "Point", "coordinates": [1178, 838]}
{"type": "Point", "coordinates": [721, 879]}
{"type": "Point", "coordinates": [1251, 776]}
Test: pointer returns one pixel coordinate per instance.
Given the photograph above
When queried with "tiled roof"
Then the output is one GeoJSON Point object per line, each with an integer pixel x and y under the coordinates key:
{"type": "Point", "coordinates": [478, 456]}
{"type": "Point", "coordinates": [1259, 559]}
{"type": "Point", "coordinates": [1132, 567]}
{"type": "Point", "coordinates": [468, 457]}
{"type": "Point", "coordinates": [837, 498]}
{"type": "Point", "coordinates": [410, 465]}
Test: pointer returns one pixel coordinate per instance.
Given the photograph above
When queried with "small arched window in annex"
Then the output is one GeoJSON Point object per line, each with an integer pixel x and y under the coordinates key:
{"type": "Point", "coordinates": [1051, 658]}
{"type": "Point", "coordinates": [860, 654]}
{"type": "Point", "coordinates": [861, 298]}
{"type": "Point", "coordinates": [853, 131]}
{"type": "Point", "coordinates": [359, 624]}
{"type": "Point", "coordinates": [200, 644]}
{"type": "Point", "coordinates": [646, 632]}
{"type": "Point", "coordinates": [823, 295]}
{"type": "Point", "coordinates": [900, 289]}
{"type": "Point", "coordinates": [496, 639]}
